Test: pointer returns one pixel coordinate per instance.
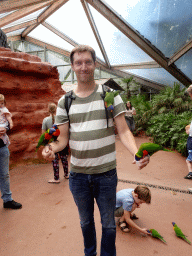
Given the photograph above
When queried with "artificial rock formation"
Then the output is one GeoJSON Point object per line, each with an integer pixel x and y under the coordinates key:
{"type": "Point", "coordinates": [28, 85]}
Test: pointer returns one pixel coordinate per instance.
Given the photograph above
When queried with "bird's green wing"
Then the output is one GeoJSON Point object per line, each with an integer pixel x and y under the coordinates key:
{"type": "Point", "coordinates": [179, 233]}
{"type": "Point", "coordinates": [156, 234]}
{"type": "Point", "coordinates": [109, 98]}
{"type": "Point", "coordinates": [187, 240]}
{"type": "Point", "coordinates": [41, 139]}
{"type": "Point", "coordinates": [151, 148]}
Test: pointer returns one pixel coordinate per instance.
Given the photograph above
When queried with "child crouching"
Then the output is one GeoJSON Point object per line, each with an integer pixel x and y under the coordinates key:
{"type": "Point", "coordinates": [127, 200]}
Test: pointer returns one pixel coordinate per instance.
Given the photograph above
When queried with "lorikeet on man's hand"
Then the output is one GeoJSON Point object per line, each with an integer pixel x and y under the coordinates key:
{"type": "Point", "coordinates": [155, 234]}
{"type": "Point", "coordinates": [109, 99]}
{"type": "Point", "coordinates": [48, 136]}
{"type": "Point", "coordinates": [148, 148]}
{"type": "Point", "coordinates": [179, 233]}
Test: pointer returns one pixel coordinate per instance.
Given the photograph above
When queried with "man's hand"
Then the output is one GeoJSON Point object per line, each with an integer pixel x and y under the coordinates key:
{"type": "Point", "coordinates": [142, 163]}
{"type": "Point", "coordinates": [2, 130]}
{"type": "Point", "coordinates": [48, 153]}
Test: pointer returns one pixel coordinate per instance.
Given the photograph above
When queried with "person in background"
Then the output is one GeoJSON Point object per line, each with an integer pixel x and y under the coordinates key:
{"type": "Point", "coordinates": [63, 154]}
{"type": "Point", "coordinates": [5, 125]}
{"type": "Point", "coordinates": [189, 142]}
{"type": "Point", "coordinates": [93, 175]}
{"type": "Point", "coordinates": [188, 130]}
{"type": "Point", "coordinates": [130, 112]}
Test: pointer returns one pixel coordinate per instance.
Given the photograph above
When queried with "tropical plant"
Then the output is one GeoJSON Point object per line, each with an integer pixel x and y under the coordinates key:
{"type": "Point", "coordinates": [130, 86]}
{"type": "Point", "coordinates": [165, 117]}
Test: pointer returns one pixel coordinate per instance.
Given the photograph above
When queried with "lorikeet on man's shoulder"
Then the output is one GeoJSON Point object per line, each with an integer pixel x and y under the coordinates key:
{"type": "Point", "coordinates": [109, 99]}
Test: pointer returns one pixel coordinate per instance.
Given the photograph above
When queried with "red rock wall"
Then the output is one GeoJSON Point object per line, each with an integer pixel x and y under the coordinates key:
{"type": "Point", "coordinates": [28, 85]}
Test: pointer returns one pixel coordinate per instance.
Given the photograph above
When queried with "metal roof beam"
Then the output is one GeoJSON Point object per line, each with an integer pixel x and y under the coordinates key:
{"type": "Point", "coordinates": [138, 79]}
{"type": "Point", "coordinates": [9, 29]}
{"type": "Point", "coordinates": [59, 33]}
{"type": "Point", "coordinates": [48, 46]}
{"type": "Point", "coordinates": [141, 65]}
{"type": "Point", "coordinates": [140, 41]}
{"type": "Point", "coordinates": [95, 31]}
{"type": "Point", "coordinates": [22, 13]}
{"type": "Point", "coordinates": [48, 12]}
{"type": "Point", "coordinates": [11, 5]}
{"type": "Point", "coordinates": [180, 52]}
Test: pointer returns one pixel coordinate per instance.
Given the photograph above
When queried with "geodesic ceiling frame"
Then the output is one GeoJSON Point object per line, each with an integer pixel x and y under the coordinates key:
{"type": "Point", "coordinates": [13, 10]}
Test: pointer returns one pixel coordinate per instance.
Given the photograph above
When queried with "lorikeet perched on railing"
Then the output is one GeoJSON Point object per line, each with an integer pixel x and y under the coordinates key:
{"type": "Point", "coordinates": [109, 99]}
{"type": "Point", "coordinates": [179, 233]}
{"type": "Point", "coordinates": [155, 234]}
{"type": "Point", "coordinates": [148, 148]}
{"type": "Point", "coordinates": [50, 135]}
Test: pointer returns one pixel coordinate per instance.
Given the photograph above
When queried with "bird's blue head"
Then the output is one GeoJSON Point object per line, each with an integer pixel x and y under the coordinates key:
{"type": "Point", "coordinates": [110, 108]}
{"type": "Point", "coordinates": [55, 127]}
{"type": "Point", "coordinates": [173, 223]}
{"type": "Point", "coordinates": [51, 131]}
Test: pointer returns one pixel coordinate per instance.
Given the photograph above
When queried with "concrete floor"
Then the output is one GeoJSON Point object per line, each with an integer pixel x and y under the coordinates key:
{"type": "Point", "coordinates": [48, 223]}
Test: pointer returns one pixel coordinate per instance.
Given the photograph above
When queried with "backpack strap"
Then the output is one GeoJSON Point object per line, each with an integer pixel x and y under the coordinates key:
{"type": "Point", "coordinates": [68, 101]}
{"type": "Point", "coordinates": [105, 89]}
{"type": "Point", "coordinates": [69, 97]}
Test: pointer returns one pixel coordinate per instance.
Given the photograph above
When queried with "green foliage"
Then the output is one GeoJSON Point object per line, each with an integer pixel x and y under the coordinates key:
{"type": "Point", "coordinates": [130, 86]}
{"type": "Point", "coordinates": [165, 117]}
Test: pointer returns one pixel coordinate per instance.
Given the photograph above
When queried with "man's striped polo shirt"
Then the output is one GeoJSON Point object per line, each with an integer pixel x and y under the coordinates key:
{"type": "Point", "coordinates": [92, 143]}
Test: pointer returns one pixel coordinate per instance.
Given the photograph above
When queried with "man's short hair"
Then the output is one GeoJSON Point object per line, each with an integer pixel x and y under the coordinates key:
{"type": "Point", "coordinates": [143, 193]}
{"type": "Point", "coordinates": [189, 89]}
{"type": "Point", "coordinates": [83, 48]}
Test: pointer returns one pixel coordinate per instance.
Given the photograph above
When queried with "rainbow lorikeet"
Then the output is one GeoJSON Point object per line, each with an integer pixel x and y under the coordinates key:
{"type": "Point", "coordinates": [179, 233]}
{"type": "Point", "coordinates": [155, 234]}
{"type": "Point", "coordinates": [50, 135]}
{"type": "Point", "coordinates": [148, 148]}
{"type": "Point", "coordinates": [109, 99]}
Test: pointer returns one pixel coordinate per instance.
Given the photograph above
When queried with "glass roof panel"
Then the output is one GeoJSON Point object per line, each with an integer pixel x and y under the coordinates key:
{"type": "Point", "coordinates": [5, 14]}
{"type": "Point", "coordinates": [119, 48]}
{"type": "Point", "coordinates": [167, 24]}
{"type": "Point", "coordinates": [16, 32]}
{"type": "Point", "coordinates": [28, 17]}
{"type": "Point", "coordinates": [159, 75]}
{"type": "Point", "coordinates": [72, 20]}
{"type": "Point", "coordinates": [16, 23]}
{"type": "Point", "coordinates": [45, 35]}
{"type": "Point", "coordinates": [185, 64]}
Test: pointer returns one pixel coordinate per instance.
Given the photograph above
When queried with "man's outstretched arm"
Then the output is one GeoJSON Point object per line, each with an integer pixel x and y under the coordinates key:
{"type": "Point", "coordinates": [128, 140]}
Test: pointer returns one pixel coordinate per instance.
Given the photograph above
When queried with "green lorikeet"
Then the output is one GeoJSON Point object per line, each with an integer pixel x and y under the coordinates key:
{"type": "Point", "coordinates": [50, 135]}
{"type": "Point", "coordinates": [179, 233]}
{"type": "Point", "coordinates": [155, 234]}
{"type": "Point", "coordinates": [148, 148]}
{"type": "Point", "coordinates": [109, 100]}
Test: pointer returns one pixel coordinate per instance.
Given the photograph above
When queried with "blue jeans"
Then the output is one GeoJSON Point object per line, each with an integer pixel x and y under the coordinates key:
{"type": "Point", "coordinates": [4, 175]}
{"type": "Point", "coordinates": [102, 187]}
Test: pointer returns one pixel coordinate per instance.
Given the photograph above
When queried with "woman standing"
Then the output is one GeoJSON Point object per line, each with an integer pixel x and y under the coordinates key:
{"type": "Point", "coordinates": [129, 116]}
{"type": "Point", "coordinates": [48, 123]}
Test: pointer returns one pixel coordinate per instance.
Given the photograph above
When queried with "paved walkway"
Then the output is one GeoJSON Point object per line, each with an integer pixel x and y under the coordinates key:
{"type": "Point", "coordinates": [48, 223]}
